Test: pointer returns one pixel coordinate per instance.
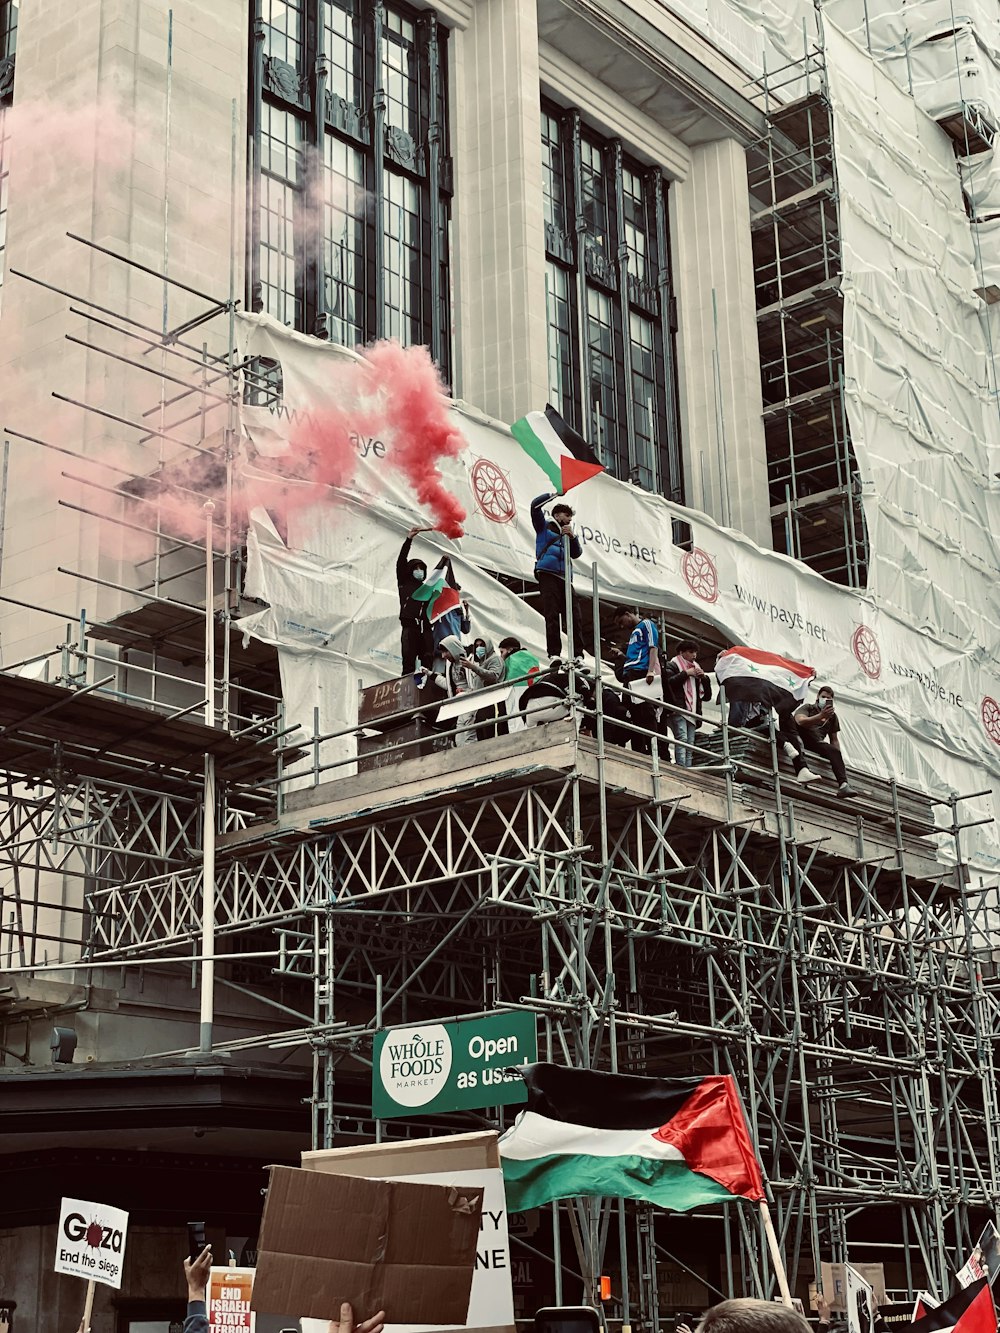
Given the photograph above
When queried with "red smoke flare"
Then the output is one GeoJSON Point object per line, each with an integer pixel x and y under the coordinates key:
{"type": "Point", "coordinates": [417, 415]}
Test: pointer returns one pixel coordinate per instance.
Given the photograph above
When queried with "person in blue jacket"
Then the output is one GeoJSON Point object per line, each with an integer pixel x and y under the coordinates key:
{"type": "Point", "coordinates": [550, 572]}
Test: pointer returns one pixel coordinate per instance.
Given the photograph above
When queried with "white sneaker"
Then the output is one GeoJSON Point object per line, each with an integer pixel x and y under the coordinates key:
{"type": "Point", "coordinates": [557, 664]}
{"type": "Point", "coordinates": [806, 775]}
{"type": "Point", "coordinates": [790, 750]}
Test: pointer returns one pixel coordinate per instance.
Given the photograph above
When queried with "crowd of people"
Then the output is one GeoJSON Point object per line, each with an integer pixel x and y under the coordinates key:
{"type": "Point", "coordinates": [739, 1315]}
{"type": "Point", "coordinates": [660, 696]}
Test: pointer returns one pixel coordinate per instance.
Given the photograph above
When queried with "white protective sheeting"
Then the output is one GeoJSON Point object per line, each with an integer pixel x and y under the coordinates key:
{"type": "Point", "coordinates": [918, 367]}
{"type": "Point", "coordinates": [911, 701]}
{"type": "Point", "coordinates": [941, 53]}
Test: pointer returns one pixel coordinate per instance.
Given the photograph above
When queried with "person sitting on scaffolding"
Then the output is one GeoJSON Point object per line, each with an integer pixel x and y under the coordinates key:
{"type": "Point", "coordinates": [753, 676]}
{"type": "Point", "coordinates": [820, 728]}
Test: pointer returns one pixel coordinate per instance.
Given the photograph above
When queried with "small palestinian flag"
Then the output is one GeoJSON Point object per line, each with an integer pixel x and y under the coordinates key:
{"type": "Point", "coordinates": [923, 1304]}
{"type": "Point", "coordinates": [678, 1143]}
{"type": "Point", "coordinates": [439, 595]}
{"type": "Point", "coordinates": [970, 1311]}
{"type": "Point", "coordinates": [564, 456]}
{"type": "Point", "coordinates": [756, 664]}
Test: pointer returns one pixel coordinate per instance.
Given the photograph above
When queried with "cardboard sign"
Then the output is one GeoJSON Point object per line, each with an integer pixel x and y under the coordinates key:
{"type": "Point", "coordinates": [835, 1284]}
{"type": "Point", "coordinates": [229, 1292]}
{"type": "Point", "coordinates": [460, 1160]}
{"type": "Point", "coordinates": [90, 1241]}
{"type": "Point", "coordinates": [407, 1249]}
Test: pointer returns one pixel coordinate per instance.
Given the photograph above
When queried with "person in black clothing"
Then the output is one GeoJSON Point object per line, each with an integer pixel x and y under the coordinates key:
{"type": "Point", "coordinates": [416, 637]}
{"type": "Point", "coordinates": [820, 729]}
{"type": "Point", "coordinates": [551, 572]}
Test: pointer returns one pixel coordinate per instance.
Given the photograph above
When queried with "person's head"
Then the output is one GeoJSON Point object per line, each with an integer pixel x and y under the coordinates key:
{"type": "Point", "coordinates": [508, 646]}
{"type": "Point", "coordinates": [688, 649]}
{"type": "Point", "coordinates": [626, 618]}
{"type": "Point", "coordinates": [562, 514]}
{"type": "Point", "coordinates": [451, 648]}
{"type": "Point", "coordinates": [418, 569]}
{"type": "Point", "coordinates": [747, 1315]}
{"type": "Point", "coordinates": [479, 649]}
{"type": "Point", "coordinates": [825, 692]}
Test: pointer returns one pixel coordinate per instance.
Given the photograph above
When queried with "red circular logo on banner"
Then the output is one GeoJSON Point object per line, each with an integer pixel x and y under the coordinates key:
{"type": "Point", "coordinates": [990, 713]}
{"type": "Point", "coordinates": [491, 488]}
{"type": "Point", "coordinates": [700, 574]}
{"type": "Point", "coordinates": [865, 647]}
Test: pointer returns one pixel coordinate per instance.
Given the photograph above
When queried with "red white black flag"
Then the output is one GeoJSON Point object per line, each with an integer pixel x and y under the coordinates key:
{"type": "Point", "coordinates": [970, 1311]}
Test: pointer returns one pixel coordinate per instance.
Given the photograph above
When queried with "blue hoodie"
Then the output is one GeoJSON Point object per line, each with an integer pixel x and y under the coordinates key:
{"type": "Point", "coordinates": [549, 556]}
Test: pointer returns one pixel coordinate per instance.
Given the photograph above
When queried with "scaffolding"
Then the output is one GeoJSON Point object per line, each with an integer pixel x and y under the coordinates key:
{"type": "Point", "coordinates": [816, 513]}
{"type": "Point", "coordinates": [657, 920]}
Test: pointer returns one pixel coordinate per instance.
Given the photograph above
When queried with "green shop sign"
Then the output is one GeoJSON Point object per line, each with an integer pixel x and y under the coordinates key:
{"type": "Point", "coordinates": [451, 1066]}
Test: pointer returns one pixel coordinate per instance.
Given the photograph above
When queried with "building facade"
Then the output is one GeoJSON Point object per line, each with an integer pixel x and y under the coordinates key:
{"type": "Point", "coordinates": [552, 195]}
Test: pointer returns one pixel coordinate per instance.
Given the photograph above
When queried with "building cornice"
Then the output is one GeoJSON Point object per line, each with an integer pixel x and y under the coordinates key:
{"type": "Point", "coordinates": [610, 113]}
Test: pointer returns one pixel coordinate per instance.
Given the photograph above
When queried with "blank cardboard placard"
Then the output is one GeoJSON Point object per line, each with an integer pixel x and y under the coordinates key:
{"type": "Point", "coordinates": [404, 1248]}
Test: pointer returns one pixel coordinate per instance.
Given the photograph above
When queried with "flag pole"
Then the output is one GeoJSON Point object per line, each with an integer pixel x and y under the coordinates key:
{"type": "Point", "coordinates": [775, 1248]}
{"type": "Point", "coordinates": [88, 1306]}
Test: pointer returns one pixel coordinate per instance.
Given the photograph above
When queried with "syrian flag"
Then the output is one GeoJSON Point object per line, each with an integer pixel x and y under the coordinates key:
{"type": "Point", "coordinates": [756, 664]}
{"type": "Point", "coordinates": [678, 1143]}
{"type": "Point", "coordinates": [971, 1311]}
{"type": "Point", "coordinates": [439, 595]}
{"type": "Point", "coordinates": [564, 456]}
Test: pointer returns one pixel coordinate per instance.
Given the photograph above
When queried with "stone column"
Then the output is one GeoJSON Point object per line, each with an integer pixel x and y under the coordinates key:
{"type": "Point", "coordinates": [501, 357]}
{"type": "Point", "coordinates": [725, 462]}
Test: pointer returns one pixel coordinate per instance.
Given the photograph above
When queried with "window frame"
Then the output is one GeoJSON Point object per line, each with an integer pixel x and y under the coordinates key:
{"type": "Point", "coordinates": [592, 240]}
{"type": "Point", "coordinates": [389, 162]}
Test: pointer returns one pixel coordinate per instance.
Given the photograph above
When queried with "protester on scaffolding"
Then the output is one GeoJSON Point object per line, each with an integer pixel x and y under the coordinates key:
{"type": "Point", "coordinates": [820, 728]}
{"type": "Point", "coordinates": [522, 667]}
{"type": "Point", "coordinates": [483, 667]}
{"type": "Point", "coordinates": [456, 618]}
{"type": "Point", "coordinates": [640, 667]}
{"type": "Point", "coordinates": [551, 574]}
{"type": "Point", "coordinates": [416, 637]}
{"type": "Point", "coordinates": [685, 686]}
{"type": "Point", "coordinates": [754, 676]}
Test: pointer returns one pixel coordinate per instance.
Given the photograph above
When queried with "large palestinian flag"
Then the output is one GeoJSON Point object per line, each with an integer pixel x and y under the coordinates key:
{"type": "Point", "coordinates": [970, 1311]}
{"type": "Point", "coordinates": [678, 1143]}
{"type": "Point", "coordinates": [563, 455]}
{"type": "Point", "coordinates": [756, 664]}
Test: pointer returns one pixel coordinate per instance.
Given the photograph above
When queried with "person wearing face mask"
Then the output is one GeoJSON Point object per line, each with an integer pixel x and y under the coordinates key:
{"type": "Point", "coordinates": [416, 638]}
{"type": "Point", "coordinates": [484, 667]}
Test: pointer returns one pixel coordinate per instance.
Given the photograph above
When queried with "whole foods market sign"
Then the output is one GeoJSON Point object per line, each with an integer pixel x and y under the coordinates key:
{"type": "Point", "coordinates": [452, 1066]}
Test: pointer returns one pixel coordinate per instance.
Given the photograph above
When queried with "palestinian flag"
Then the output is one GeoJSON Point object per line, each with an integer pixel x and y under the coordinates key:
{"type": "Point", "coordinates": [678, 1143]}
{"type": "Point", "coordinates": [564, 456]}
{"type": "Point", "coordinates": [438, 593]}
{"type": "Point", "coordinates": [923, 1304]}
{"type": "Point", "coordinates": [756, 664]}
{"type": "Point", "coordinates": [970, 1311]}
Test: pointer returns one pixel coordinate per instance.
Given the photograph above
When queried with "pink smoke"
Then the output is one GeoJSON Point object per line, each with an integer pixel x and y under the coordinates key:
{"type": "Point", "coordinates": [418, 416]}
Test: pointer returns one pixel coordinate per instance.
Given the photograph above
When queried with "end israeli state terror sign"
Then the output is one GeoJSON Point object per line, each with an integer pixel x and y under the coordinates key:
{"type": "Point", "coordinates": [90, 1241]}
{"type": "Point", "coordinates": [452, 1066]}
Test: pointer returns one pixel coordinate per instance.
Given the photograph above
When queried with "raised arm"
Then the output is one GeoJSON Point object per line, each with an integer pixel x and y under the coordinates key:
{"type": "Point", "coordinates": [537, 517]}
